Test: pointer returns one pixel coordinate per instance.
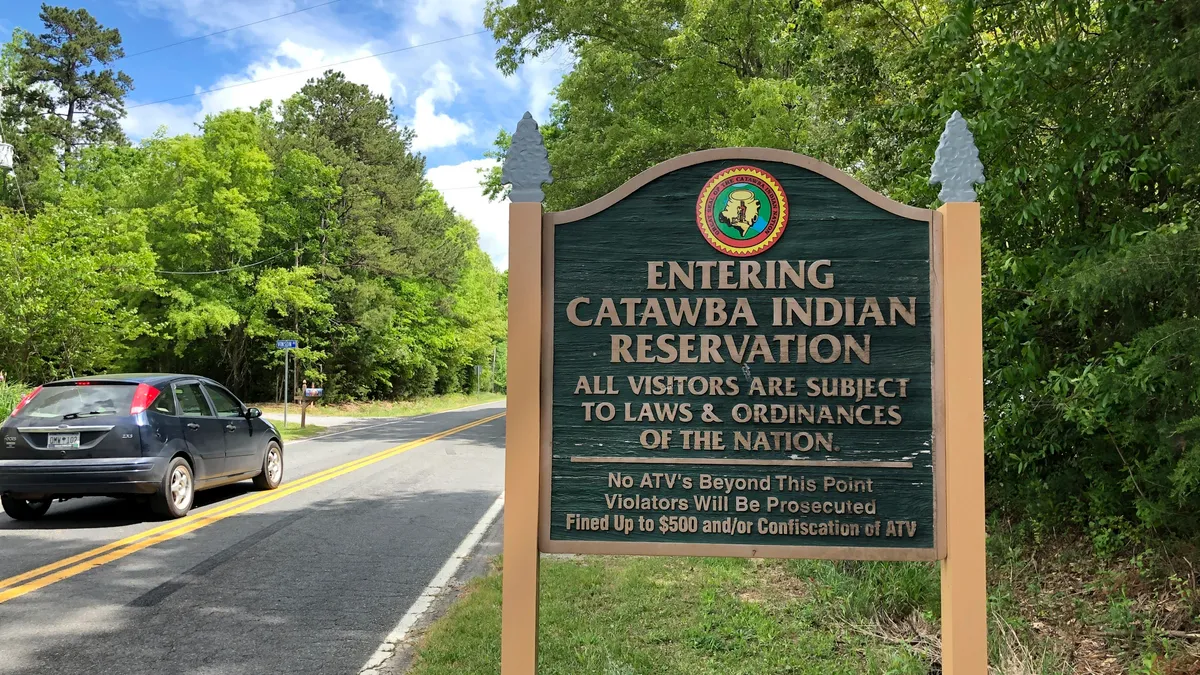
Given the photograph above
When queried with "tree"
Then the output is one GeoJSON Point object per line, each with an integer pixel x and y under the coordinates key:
{"type": "Point", "coordinates": [659, 80]}
{"type": "Point", "coordinates": [205, 201]}
{"type": "Point", "coordinates": [395, 232]}
{"type": "Point", "coordinates": [1083, 113]}
{"type": "Point", "coordinates": [68, 280]}
{"type": "Point", "coordinates": [490, 177]}
{"type": "Point", "coordinates": [312, 220]}
{"type": "Point", "coordinates": [353, 130]}
{"type": "Point", "coordinates": [58, 97]}
{"type": "Point", "coordinates": [60, 92]}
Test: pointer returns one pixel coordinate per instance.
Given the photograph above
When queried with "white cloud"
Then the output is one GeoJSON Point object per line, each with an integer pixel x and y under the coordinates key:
{"type": "Point", "coordinates": [302, 41]}
{"type": "Point", "coordinates": [459, 185]}
{"type": "Point", "coordinates": [428, 98]}
{"type": "Point", "coordinates": [142, 122]}
{"type": "Point", "coordinates": [200, 17]}
{"type": "Point", "coordinates": [290, 57]}
{"type": "Point", "coordinates": [434, 129]}
{"type": "Point", "coordinates": [276, 83]}
{"type": "Point", "coordinates": [542, 76]}
{"type": "Point", "coordinates": [465, 13]}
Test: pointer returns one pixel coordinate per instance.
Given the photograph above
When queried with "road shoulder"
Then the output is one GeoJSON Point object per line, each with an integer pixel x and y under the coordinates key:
{"type": "Point", "coordinates": [478, 564]}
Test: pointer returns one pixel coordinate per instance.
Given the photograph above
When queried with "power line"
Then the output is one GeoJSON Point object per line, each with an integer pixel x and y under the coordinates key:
{"type": "Point", "coordinates": [307, 70]}
{"type": "Point", "coordinates": [480, 186]}
{"type": "Point", "coordinates": [239, 267]}
{"type": "Point", "coordinates": [226, 30]}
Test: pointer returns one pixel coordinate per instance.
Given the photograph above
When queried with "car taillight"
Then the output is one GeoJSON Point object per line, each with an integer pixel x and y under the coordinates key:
{"type": "Point", "coordinates": [142, 398]}
{"type": "Point", "coordinates": [24, 401]}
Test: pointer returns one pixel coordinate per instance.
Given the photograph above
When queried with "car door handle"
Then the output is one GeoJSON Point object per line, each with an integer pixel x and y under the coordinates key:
{"type": "Point", "coordinates": [193, 425]}
{"type": "Point", "coordinates": [230, 427]}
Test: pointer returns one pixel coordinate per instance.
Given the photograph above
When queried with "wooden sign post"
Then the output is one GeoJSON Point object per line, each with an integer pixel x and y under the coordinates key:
{"type": "Point", "coordinates": [526, 169]}
{"type": "Point", "coordinates": [964, 562]}
{"type": "Point", "coordinates": [746, 352]}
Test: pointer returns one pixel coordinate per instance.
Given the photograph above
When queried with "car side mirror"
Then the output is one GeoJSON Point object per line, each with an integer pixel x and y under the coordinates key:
{"type": "Point", "coordinates": [253, 413]}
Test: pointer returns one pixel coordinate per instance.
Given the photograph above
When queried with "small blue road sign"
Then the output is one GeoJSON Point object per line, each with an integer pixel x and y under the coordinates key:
{"type": "Point", "coordinates": [285, 344]}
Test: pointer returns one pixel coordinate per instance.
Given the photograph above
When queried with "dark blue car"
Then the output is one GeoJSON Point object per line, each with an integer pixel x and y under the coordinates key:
{"type": "Point", "coordinates": [156, 436]}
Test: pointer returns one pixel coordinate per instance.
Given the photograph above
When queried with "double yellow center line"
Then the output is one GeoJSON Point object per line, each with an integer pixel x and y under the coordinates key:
{"type": "Point", "coordinates": [27, 582]}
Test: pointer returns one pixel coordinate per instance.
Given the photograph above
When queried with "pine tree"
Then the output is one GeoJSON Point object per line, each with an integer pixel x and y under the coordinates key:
{"type": "Point", "coordinates": [61, 94]}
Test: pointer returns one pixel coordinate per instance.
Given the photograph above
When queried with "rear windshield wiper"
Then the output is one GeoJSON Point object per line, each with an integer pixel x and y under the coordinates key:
{"type": "Point", "coordinates": [77, 415]}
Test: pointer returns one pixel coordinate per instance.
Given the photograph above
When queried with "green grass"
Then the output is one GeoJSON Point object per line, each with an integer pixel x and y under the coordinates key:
{"type": "Point", "coordinates": [1055, 607]}
{"type": "Point", "coordinates": [293, 430]}
{"type": "Point", "coordinates": [691, 616]}
{"type": "Point", "coordinates": [420, 406]}
{"type": "Point", "coordinates": [1049, 613]}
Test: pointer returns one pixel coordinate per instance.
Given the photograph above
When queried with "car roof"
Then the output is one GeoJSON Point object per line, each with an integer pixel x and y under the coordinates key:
{"type": "Point", "coordinates": [148, 378]}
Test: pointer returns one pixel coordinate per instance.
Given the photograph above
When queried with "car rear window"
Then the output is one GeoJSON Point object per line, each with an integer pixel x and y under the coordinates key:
{"type": "Point", "coordinates": [83, 400]}
{"type": "Point", "coordinates": [164, 403]}
{"type": "Point", "coordinates": [191, 401]}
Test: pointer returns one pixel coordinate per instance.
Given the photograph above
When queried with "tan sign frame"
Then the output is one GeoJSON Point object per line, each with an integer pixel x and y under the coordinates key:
{"type": "Point", "coordinates": [957, 313]}
{"type": "Point", "coordinates": [550, 221]}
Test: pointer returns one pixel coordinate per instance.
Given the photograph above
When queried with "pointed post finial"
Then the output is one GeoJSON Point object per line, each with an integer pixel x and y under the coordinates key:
{"type": "Point", "coordinates": [526, 168]}
{"type": "Point", "coordinates": [956, 162]}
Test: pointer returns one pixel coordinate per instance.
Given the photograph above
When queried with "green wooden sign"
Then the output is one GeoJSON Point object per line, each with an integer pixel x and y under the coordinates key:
{"type": "Point", "coordinates": [743, 362]}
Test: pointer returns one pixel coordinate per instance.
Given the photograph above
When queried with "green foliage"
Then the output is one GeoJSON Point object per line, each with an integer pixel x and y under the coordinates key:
{"type": "Point", "coordinates": [1084, 113]}
{"type": "Point", "coordinates": [67, 277]}
{"type": "Point", "coordinates": [871, 589]}
{"type": "Point", "coordinates": [194, 253]}
{"type": "Point", "coordinates": [59, 94]}
{"type": "Point", "coordinates": [667, 616]}
{"type": "Point", "coordinates": [10, 395]}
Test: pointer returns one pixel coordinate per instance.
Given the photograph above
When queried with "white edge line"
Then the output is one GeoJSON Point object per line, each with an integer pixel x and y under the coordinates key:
{"type": "Point", "coordinates": [435, 588]}
{"type": "Point", "coordinates": [394, 420]}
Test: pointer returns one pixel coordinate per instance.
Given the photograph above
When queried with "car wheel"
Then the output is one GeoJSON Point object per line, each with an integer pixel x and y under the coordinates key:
{"type": "Point", "coordinates": [178, 489]}
{"type": "Point", "coordinates": [25, 509]}
{"type": "Point", "coordinates": [272, 469]}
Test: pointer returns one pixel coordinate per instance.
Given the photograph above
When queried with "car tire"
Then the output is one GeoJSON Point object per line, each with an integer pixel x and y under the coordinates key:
{"type": "Point", "coordinates": [177, 491]}
{"type": "Point", "coordinates": [25, 509]}
{"type": "Point", "coordinates": [272, 468]}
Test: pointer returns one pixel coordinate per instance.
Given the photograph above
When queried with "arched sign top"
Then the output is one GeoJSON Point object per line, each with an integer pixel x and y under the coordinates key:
{"type": "Point", "coordinates": [755, 331]}
{"type": "Point", "coordinates": [746, 352]}
{"type": "Point", "coordinates": [740, 154]}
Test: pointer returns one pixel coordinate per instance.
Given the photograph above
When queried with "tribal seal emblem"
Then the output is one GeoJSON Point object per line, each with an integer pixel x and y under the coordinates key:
{"type": "Point", "coordinates": [742, 211]}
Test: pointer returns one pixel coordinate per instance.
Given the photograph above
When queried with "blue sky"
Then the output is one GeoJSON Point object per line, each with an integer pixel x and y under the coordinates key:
{"type": "Point", "coordinates": [451, 93]}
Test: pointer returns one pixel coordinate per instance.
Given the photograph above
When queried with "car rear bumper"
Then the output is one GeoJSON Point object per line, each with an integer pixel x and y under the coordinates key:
{"type": "Point", "coordinates": [77, 477]}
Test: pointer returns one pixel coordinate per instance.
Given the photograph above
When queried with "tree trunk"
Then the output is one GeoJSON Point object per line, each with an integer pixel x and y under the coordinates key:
{"type": "Point", "coordinates": [69, 141]}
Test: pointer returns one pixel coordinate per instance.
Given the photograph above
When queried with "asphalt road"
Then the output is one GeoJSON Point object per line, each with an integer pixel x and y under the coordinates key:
{"type": "Point", "coordinates": [310, 581]}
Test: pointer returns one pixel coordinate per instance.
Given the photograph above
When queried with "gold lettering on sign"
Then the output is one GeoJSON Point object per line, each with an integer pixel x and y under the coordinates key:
{"type": "Point", "coordinates": [715, 312]}
{"type": "Point", "coordinates": [707, 348]}
{"type": "Point", "coordinates": [729, 274]}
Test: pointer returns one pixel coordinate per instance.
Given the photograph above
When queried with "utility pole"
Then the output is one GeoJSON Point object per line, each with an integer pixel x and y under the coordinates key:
{"type": "Point", "coordinates": [493, 369]}
{"type": "Point", "coordinates": [288, 345]}
{"type": "Point", "coordinates": [6, 152]}
{"type": "Point", "coordinates": [6, 149]}
{"type": "Point", "coordinates": [7, 157]}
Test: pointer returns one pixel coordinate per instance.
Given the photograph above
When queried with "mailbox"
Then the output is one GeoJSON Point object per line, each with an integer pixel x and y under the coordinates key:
{"type": "Point", "coordinates": [308, 396]}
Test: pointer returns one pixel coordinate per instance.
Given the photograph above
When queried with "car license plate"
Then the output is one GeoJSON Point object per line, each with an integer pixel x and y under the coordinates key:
{"type": "Point", "coordinates": [59, 441]}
